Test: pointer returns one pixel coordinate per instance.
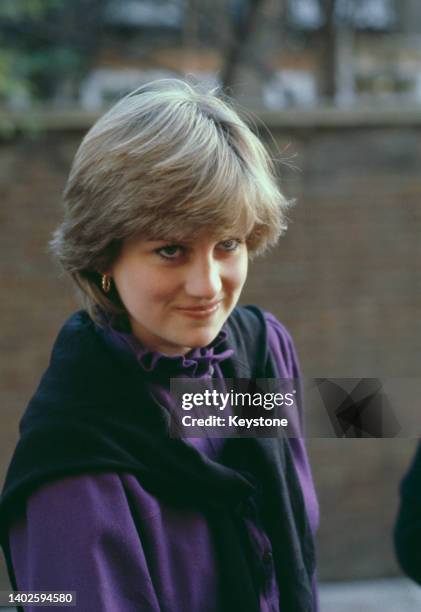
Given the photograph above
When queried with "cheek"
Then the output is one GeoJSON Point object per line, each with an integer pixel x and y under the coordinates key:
{"type": "Point", "coordinates": [241, 270]}
{"type": "Point", "coordinates": [147, 289]}
{"type": "Point", "coordinates": [236, 277]}
{"type": "Point", "coordinates": [130, 283]}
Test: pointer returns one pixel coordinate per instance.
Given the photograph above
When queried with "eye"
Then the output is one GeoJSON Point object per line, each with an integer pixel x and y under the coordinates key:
{"type": "Point", "coordinates": [230, 245]}
{"type": "Point", "coordinates": [169, 251]}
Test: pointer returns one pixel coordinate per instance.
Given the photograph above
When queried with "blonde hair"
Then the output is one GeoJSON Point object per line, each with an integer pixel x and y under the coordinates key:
{"type": "Point", "coordinates": [167, 161]}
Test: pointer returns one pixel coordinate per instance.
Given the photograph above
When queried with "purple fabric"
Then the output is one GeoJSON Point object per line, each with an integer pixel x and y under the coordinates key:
{"type": "Point", "coordinates": [122, 549]}
{"type": "Point", "coordinates": [194, 364]}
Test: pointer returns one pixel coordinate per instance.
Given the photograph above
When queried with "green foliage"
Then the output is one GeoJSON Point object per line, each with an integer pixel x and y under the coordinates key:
{"type": "Point", "coordinates": [34, 9]}
{"type": "Point", "coordinates": [11, 82]}
{"type": "Point", "coordinates": [61, 58]}
{"type": "Point", "coordinates": [36, 50]}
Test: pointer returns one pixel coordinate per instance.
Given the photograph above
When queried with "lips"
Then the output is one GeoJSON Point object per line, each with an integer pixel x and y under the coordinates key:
{"type": "Point", "coordinates": [200, 311]}
{"type": "Point", "coordinates": [200, 308]}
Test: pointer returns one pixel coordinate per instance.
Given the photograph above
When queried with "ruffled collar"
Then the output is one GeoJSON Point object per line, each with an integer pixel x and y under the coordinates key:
{"type": "Point", "coordinates": [198, 362]}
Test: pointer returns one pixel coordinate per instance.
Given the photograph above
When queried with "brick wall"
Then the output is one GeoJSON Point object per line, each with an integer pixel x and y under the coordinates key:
{"type": "Point", "coordinates": [343, 280]}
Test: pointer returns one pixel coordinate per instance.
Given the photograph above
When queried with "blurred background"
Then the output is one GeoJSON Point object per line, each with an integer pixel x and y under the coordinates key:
{"type": "Point", "coordinates": [334, 89]}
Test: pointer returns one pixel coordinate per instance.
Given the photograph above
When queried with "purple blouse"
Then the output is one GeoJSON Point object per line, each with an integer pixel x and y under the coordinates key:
{"type": "Point", "coordinates": [122, 549]}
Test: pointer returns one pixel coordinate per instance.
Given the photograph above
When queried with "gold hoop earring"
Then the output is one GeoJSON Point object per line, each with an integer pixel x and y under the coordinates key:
{"type": "Point", "coordinates": [106, 283]}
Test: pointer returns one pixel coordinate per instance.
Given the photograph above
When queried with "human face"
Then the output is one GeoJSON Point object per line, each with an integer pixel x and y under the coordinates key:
{"type": "Point", "coordinates": [161, 282]}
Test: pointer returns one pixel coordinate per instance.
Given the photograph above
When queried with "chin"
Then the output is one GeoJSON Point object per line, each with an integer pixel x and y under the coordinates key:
{"type": "Point", "coordinates": [201, 338]}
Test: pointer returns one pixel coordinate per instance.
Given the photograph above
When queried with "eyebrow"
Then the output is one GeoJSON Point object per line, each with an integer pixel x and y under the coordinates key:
{"type": "Point", "coordinates": [189, 241]}
{"type": "Point", "coordinates": [172, 240]}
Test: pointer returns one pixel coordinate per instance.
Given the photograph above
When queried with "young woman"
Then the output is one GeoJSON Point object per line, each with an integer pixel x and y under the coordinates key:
{"type": "Point", "coordinates": [169, 196]}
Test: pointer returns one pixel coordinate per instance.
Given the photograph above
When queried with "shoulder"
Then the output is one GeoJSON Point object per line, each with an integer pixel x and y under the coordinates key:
{"type": "Point", "coordinates": [278, 334]}
{"type": "Point", "coordinates": [74, 345]}
{"type": "Point", "coordinates": [77, 332]}
{"type": "Point", "coordinates": [277, 338]}
{"type": "Point", "coordinates": [254, 316]}
{"type": "Point", "coordinates": [281, 346]}
{"type": "Point", "coordinates": [284, 355]}
{"type": "Point", "coordinates": [255, 331]}
{"type": "Point", "coordinates": [83, 370]}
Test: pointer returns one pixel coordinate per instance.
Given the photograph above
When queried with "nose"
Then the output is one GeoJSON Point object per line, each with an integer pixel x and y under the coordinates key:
{"type": "Point", "coordinates": [203, 278]}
